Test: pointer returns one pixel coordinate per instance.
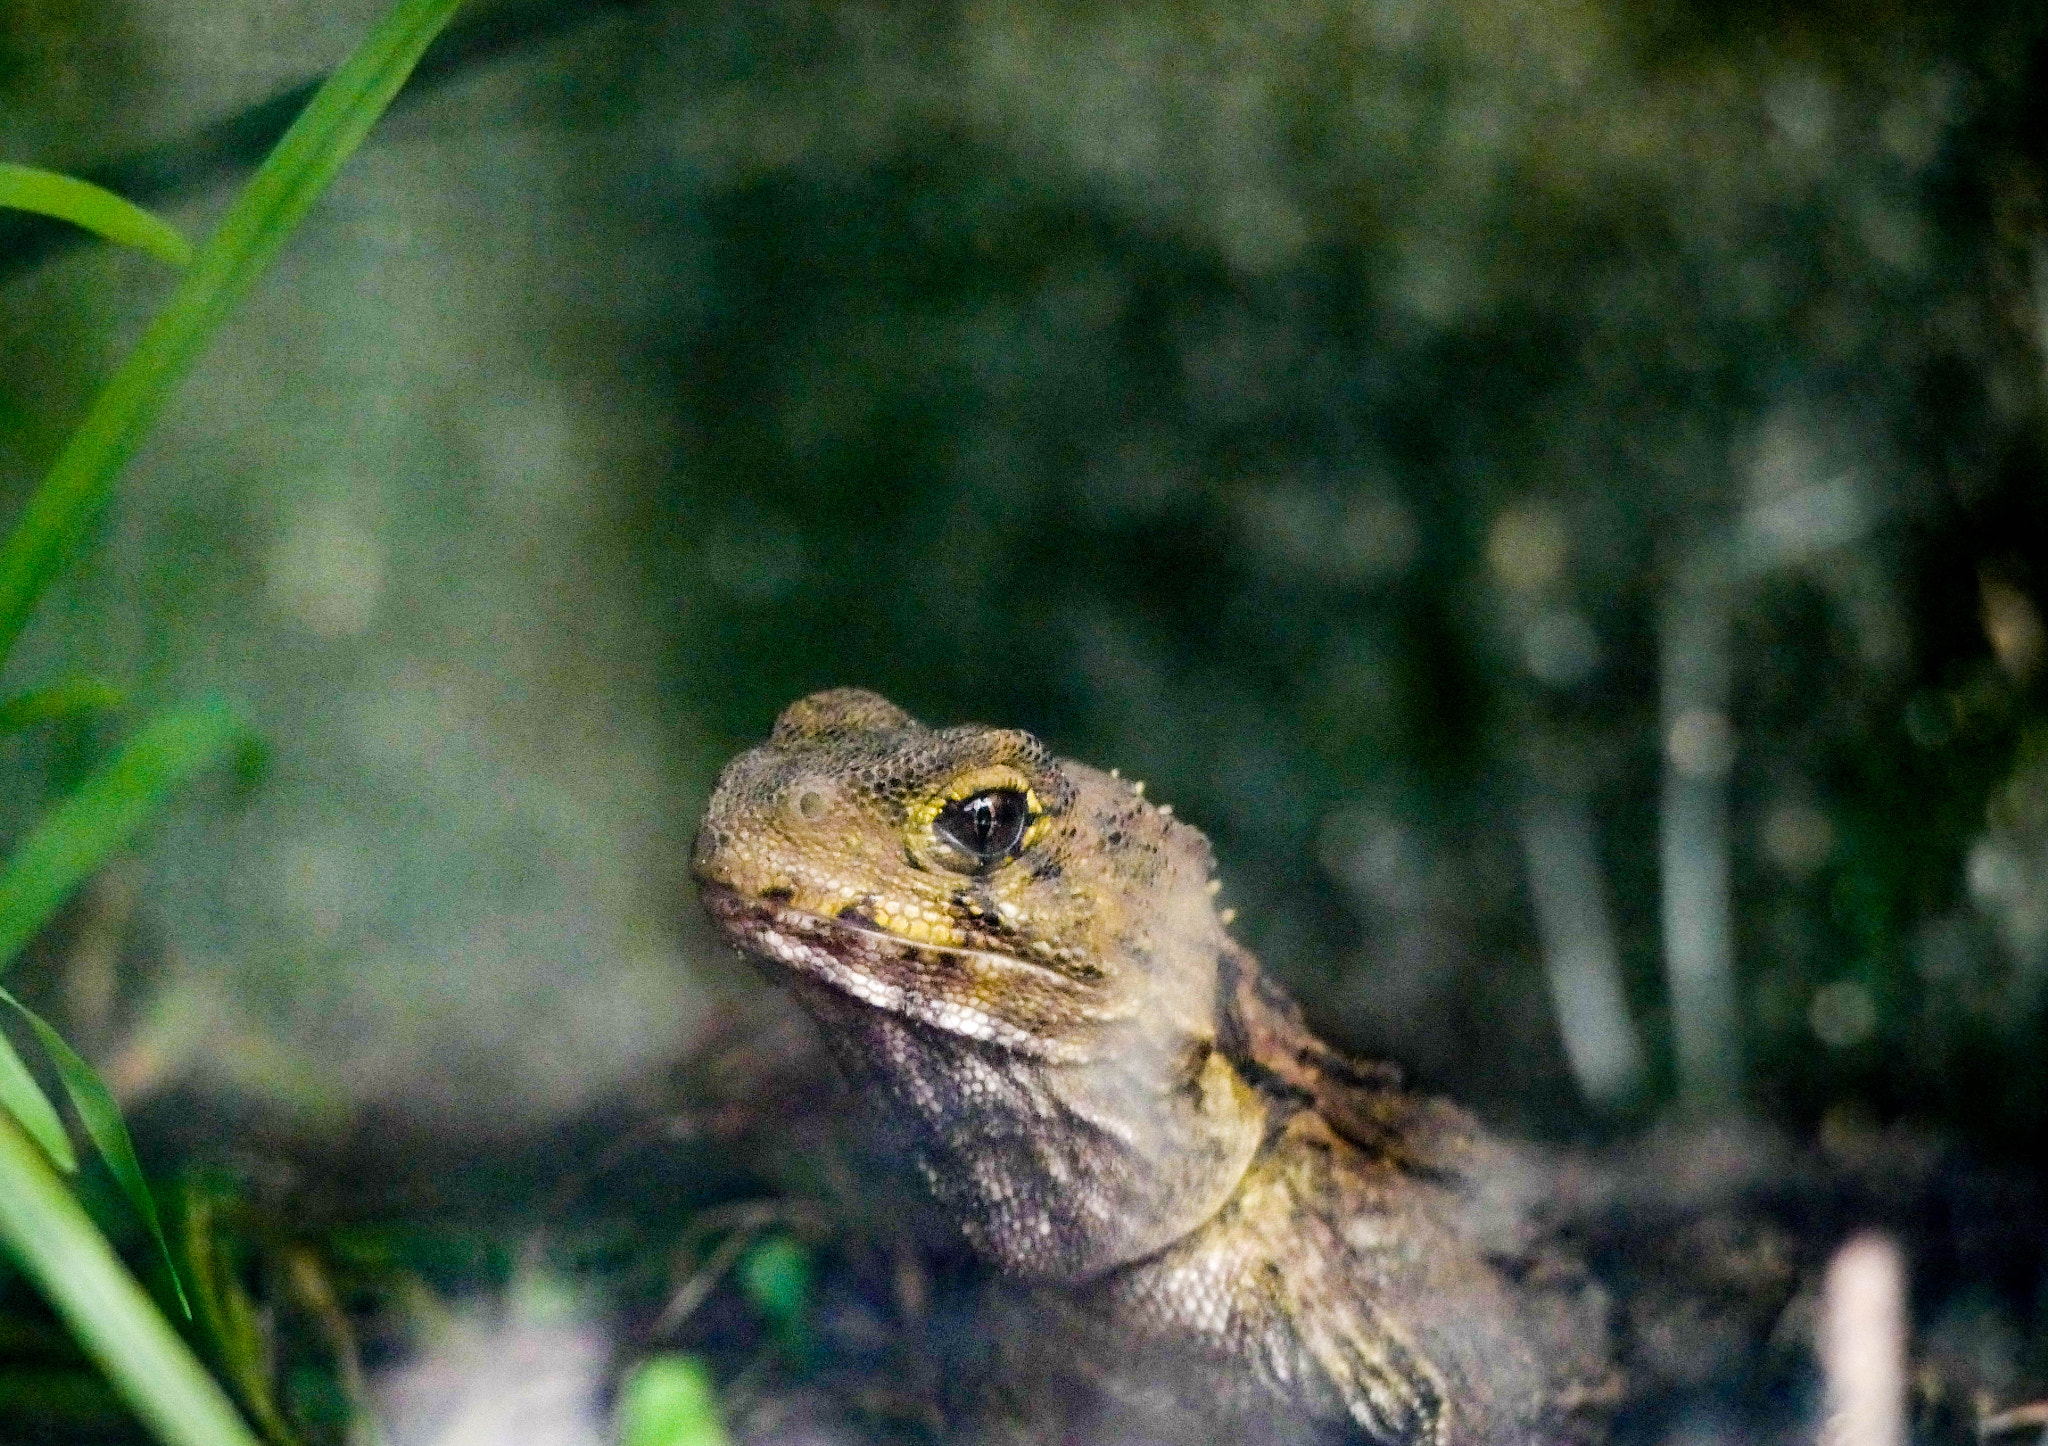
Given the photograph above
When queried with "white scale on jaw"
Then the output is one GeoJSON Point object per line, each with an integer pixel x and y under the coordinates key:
{"type": "Point", "coordinates": [779, 936]}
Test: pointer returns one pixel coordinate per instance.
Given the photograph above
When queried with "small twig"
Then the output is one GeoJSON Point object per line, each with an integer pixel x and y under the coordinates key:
{"type": "Point", "coordinates": [699, 1286]}
{"type": "Point", "coordinates": [2014, 1418]}
{"type": "Point", "coordinates": [803, 1216]}
{"type": "Point", "coordinates": [313, 1290]}
{"type": "Point", "coordinates": [745, 1220]}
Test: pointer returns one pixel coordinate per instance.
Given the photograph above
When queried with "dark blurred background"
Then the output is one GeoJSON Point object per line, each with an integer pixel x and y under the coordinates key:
{"type": "Point", "coordinates": [1555, 491]}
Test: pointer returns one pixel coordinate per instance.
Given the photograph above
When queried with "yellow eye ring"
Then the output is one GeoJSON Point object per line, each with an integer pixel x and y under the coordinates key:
{"type": "Point", "coordinates": [985, 832]}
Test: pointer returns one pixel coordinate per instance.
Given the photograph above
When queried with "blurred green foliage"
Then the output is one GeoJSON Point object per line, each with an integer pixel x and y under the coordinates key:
{"type": "Point", "coordinates": [668, 1400]}
{"type": "Point", "coordinates": [776, 1278]}
{"type": "Point", "coordinates": [42, 1223]}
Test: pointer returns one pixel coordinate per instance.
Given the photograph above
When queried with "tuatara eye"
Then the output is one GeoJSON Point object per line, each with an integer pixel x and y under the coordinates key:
{"type": "Point", "coordinates": [986, 827]}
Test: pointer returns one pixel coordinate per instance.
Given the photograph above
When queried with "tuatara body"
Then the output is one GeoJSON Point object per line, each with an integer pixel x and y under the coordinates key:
{"type": "Point", "coordinates": [1021, 956]}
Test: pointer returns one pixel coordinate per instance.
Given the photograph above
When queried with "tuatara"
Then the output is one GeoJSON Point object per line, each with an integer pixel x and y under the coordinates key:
{"type": "Point", "coordinates": [1022, 956]}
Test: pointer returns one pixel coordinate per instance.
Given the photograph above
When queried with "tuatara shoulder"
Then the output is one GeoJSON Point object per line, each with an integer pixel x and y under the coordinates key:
{"type": "Point", "coordinates": [1020, 956]}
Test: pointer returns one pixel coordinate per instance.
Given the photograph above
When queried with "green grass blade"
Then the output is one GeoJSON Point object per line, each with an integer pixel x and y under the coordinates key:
{"type": "Point", "coordinates": [100, 211]}
{"type": "Point", "coordinates": [277, 197]}
{"type": "Point", "coordinates": [59, 700]}
{"type": "Point", "coordinates": [23, 1098]}
{"type": "Point", "coordinates": [104, 1125]}
{"type": "Point", "coordinates": [79, 834]}
{"type": "Point", "coordinates": [105, 1309]}
{"type": "Point", "coordinates": [236, 1330]}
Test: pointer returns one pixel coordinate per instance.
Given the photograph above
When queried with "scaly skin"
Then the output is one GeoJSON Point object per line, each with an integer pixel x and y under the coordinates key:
{"type": "Point", "coordinates": [1021, 957]}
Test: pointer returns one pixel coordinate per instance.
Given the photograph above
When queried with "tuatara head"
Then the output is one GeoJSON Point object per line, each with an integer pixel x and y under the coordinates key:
{"type": "Point", "coordinates": [1019, 950]}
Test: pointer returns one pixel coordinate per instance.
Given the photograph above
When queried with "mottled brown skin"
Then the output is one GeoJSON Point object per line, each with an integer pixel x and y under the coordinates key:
{"type": "Point", "coordinates": [1110, 1099]}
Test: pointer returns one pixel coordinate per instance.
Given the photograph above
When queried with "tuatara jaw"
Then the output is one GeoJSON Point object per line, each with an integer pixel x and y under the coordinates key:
{"type": "Point", "coordinates": [939, 985]}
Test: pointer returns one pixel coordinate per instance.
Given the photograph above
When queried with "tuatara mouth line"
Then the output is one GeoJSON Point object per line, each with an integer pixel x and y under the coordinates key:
{"type": "Point", "coordinates": [937, 984]}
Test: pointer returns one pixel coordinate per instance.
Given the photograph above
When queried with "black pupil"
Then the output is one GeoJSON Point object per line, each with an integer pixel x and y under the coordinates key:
{"type": "Point", "coordinates": [988, 825]}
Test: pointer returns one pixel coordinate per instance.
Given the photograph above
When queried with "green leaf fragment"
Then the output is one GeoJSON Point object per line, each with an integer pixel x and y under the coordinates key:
{"type": "Point", "coordinates": [669, 1400]}
{"type": "Point", "coordinates": [83, 831]}
{"type": "Point", "coordinates": [101, 1117]}
{"type": "Point", "coordinates": [23, 1098]}
{"type": "Point", "coordinates": [776, 1277]}
{"type": "Point", "coordinates": [100, 211]}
